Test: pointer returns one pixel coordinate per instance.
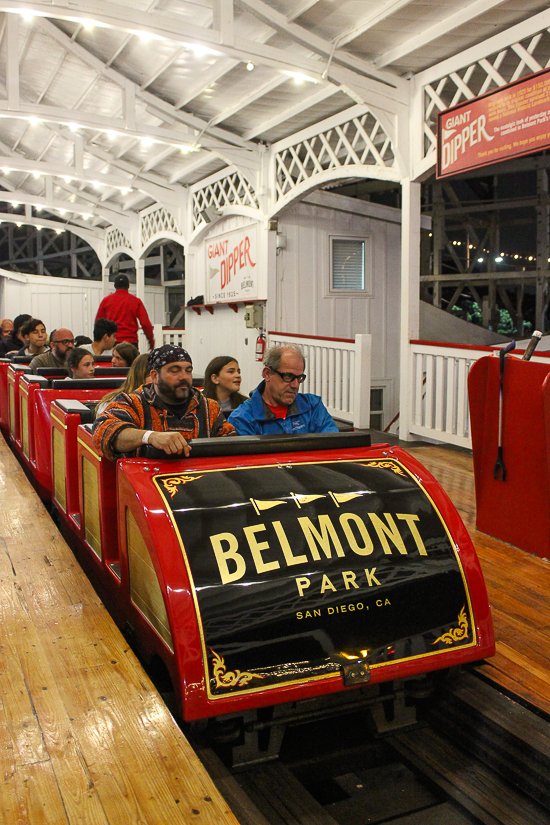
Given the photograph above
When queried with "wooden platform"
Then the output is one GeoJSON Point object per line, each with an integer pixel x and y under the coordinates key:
{"type": "Point", "coordinates": [518, 586]}
{"type": "Point", "coordinates": [84, 736]}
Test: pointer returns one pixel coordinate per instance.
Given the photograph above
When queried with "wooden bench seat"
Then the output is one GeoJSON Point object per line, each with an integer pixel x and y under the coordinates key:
{"type": "Point", "coordinates": [84, 736]}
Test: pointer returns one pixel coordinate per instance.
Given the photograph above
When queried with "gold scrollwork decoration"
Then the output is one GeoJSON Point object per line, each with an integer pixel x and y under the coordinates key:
{"type": "Point", "coordinates": [171, 484]}
{"type": "Point", "coordinates": [456, 634]}
{"type": "Point", "coordinates": [225, 678]}
{"type": "Point", "coordinates": [386, 465]}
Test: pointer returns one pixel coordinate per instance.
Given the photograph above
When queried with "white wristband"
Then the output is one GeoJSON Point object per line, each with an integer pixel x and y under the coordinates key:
{"type": "Point", "coordinates": [146, 436]}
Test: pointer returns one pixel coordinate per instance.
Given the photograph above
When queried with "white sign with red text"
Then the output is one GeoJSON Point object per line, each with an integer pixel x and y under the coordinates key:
{"type": "Point", "coordinates": [231, 266]}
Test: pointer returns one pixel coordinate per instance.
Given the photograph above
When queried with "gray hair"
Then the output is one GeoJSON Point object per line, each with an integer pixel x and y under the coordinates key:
{"type": "Point", "coordinates": [273, 356]}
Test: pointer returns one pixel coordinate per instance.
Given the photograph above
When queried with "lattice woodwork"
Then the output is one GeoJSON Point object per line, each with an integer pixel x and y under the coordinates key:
{"type": "Point", "coordinates": [115, 239]}
{"type": "Point", "coordinates": [233, 190]}
{"type": "Point", "coordinates": [491, 72]}
{"type": "Point", "coordinates": [358, 142]}
{"type": "Point", "coordinates": [159, 220]}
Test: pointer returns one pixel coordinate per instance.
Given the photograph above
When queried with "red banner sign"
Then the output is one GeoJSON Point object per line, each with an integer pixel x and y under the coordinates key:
{"type": "Point", "coordinates": [506, 123]}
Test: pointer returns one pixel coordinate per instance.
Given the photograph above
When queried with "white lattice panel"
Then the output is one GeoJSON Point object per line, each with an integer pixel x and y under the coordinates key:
{"type": "Point", "coordinates": [491, 72]}
{"type": "Point", "coordinates": [115, 239]}
{"type": "Point", "coordinates": [157, 221]}
{"type": "Point", "coordinates": [232, 190]}
{"type": "Point", "coordinates": [358, 142]}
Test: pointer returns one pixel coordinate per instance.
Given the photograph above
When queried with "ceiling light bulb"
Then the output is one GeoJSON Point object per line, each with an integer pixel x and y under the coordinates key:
{"type": "Point", "coordinates": [67, 179]}
{"type": "Point", "coordinates": [73, 127]}
{"type": "Point", "coordinates": [18, 223]}
{"type": "Point", "coordinates": [88, 24]}
{"type": "Point", "coordinates": [144, 36]}
{"type": "Point", "coordinates": [124, 190]}
{"type": "Point", "coordinates": [36, 174]}
{"type": "Point", "coordinates": [250, 66]}
{"type": "Point", "coordinates": [62, 211]}
{"type": "Point", "coordinates": [110, 134]}
{"type": "Point", "coordinates": [5, 170]}
{"type": "Point", "coordinates": [26, 14]}
{"type": "Point", "coordinates": [34, 120]}
{"type": "Point", "coordinates": [39, 208]}
{"type": "Point", "coordinates": [15, 204]}
{"type": "Point", "coordinates": [146, 141]}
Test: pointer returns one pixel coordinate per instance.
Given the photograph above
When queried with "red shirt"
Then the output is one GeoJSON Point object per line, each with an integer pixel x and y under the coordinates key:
{"type": "Point", "coordinates": [278, 412]}
{"type": "Point", "coordinates": [126, 311]}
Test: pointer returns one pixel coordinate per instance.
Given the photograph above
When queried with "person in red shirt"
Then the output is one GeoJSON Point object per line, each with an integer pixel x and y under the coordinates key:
{"type": "Point", "coordinates": [128, 313]}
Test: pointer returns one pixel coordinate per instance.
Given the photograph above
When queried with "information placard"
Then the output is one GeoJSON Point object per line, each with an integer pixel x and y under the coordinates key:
{"type": "Point", "coordinates": [506, 123]}
{"type": "Point", "coordinates": [231, 266]}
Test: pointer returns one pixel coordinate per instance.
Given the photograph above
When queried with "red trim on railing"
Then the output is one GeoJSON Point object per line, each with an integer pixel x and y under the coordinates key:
{"type": "Point", "coordinates": [315, 337]}
{"type": "Point", "coordinates": [452, 346]}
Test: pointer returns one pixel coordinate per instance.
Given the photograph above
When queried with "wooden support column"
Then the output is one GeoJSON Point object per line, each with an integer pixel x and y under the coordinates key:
{"type": "Point", "coordinates": [438, 230]}
{"type": "Point", "coordinates": [410, 296]}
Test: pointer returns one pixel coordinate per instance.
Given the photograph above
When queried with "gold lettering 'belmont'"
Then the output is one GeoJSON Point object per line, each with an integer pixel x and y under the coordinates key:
{"type": "Point", "coordinates": [232, 555]}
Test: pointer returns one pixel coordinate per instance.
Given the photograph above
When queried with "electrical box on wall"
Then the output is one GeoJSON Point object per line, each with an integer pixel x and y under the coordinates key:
{"type": "Point", "coordinates": [254, 316]}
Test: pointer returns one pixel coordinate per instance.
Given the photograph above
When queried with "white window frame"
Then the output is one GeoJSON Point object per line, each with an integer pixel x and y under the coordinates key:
{"type": "Point", "coordinates": [367, 241]}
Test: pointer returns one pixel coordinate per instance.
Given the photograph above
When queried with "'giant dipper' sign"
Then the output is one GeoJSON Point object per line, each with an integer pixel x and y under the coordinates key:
{"type": "Point", "coordinates": [506, 123]}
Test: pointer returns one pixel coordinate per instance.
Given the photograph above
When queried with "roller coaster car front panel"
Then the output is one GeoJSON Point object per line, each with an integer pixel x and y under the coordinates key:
{"type": "Point", "coordinates": [274, 578]}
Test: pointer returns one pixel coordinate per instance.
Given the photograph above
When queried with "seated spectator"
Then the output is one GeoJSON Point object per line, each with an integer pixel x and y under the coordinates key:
{"type": "Point", "coordinates": [34, 334]}
{"type": "Point", "coordinates": [6, 328]}
{"type": "Point", "coordinates": [166, 414]}
{"type": "Point", "coordinates": [276, 406]}
{"type": "Point", "coordinates": [61, 341]}
{"type": "Point", "coordinates": [80, 363]}
{"type": "Point", "coordinates": [222, 381]}
{"type": "Point", "coordinates": [124, 354]}
{"type": "Point", "coordinates": [138, 374]}
{"type": "Point", "coordinates": [82, 341]}
{"type": "Point", "coordinates": [14, 342]}
{"type": "Point", "coordinates": [104, 337]}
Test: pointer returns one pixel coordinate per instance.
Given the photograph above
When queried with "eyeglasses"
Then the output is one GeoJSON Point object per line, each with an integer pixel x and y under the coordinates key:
{"type": "Point", "coordinates": [289, 377]}
{"type": "Point", "coordinates": [64, 341]}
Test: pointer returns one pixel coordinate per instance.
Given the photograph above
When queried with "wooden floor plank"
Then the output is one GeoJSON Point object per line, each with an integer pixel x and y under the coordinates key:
{"type": "Point", "coordinates": [84, 736]}
{"type": "Point", "coordinates": [517, 582]}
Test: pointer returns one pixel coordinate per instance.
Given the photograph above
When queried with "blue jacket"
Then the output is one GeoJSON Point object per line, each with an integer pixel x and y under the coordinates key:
{"type": "Point", "coordinates": [307, 414]}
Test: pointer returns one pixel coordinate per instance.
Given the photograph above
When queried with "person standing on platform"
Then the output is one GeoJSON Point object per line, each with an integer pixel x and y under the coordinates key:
{"type": "Point", "coordinates": [276, 407]}
{"type": "Point", "coordinates": [104, 337]}
{"type": "Point", "coordinates": [61, 341]}
{"type": "Point", "coordinates": [128, 313]}
{"type": "Point", "coordinates": [166, 414]}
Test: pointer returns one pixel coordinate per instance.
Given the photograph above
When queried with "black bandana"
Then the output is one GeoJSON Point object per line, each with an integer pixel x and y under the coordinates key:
{"type": "Point", "coordinates": [166, 354]}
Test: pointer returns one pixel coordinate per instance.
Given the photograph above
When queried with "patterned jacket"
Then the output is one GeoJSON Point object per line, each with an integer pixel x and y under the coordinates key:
{"type": "Point", "coordinates": [144, 410]}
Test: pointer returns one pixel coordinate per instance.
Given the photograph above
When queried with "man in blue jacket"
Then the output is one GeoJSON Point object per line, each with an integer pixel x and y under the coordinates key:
{"type": "Point", "coordinates": [276, 406]}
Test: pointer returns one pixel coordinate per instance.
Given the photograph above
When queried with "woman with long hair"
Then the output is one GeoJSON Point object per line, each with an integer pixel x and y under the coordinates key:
{"type": "Point", "coordinates": [222, 381]}
{"type": "Point", "coordinates": [138, 374]}
{"type": "Point", "coordinates": [124, 354]}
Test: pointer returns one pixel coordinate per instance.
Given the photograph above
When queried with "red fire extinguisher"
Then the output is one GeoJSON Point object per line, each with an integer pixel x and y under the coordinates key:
{"type": "Point", "coordinates": [260, 347]}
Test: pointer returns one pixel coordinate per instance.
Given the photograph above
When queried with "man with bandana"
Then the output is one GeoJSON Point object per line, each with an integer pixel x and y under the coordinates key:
{"type": "Point", "coordinates": [166, 414]}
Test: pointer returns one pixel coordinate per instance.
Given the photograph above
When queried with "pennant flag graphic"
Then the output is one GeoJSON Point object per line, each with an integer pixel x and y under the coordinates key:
{"type": "Point", "coordinates": [264, 505]}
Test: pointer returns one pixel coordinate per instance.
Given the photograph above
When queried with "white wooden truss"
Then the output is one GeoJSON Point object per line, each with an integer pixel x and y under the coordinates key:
{"type": "Point", "coordinates": [157, 221]}
{"type": "Point", "coordinates": [342, 147]}
{"type": "Point", "coordinates": [222, 190]}
{"type": "Point", "coordinates": [115, 241]}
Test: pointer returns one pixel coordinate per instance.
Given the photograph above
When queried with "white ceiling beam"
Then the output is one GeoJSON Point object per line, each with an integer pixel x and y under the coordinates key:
{"type": "Point", "coordinates": [291, 112]}
{"type": "Point", "coordinates": [108, 212]}
{"type": "Point", "coordinates": [158, 158]}
{"type": "Point", "coordinates": [167, 27]}
{"type": "Point", "coordinates": [18, 163]}
{"type": "Point", "coordinates": [210, 75]}
{"type": "Point", "coordinates": [124, 83]}
{"type": "Point", "coordinates": [85, 232]}
{"type": "Point", "coordinates": [12, 61]}
{"type": "Point", "coordinates": [223, 20]}
{"type": "Point", "coordinates": [161, 70]}
{"type": "Point", "coordinates": [453, 21]}
{"type": "Point", "coordinates": [313, 42]}
{"type": "Point", "coordinates": [381, 13]}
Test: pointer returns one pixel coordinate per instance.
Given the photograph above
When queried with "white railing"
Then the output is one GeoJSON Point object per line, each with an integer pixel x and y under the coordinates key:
{"type": "Point", "coordinates": [439, 390]}
{"type": "Point", "coordinates": [174, 336]}
{"type": "Point", "coordinates": [337, 369]}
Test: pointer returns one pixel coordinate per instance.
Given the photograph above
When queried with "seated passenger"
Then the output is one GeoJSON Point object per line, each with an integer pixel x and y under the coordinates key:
{"type": "Point", "coordinates": [80, 364]}
{"type": "Point", "coordinates": [165, 414]}
{"type": "Point", "coordinates": [124, 354]}
{"type": "Point", "coordinates": [35, 336]}
{"type": "Point", "coordinates": [276, 406]}
{"type": "Point", "coordinates": [6, 328]}
{"type": "Point", "coordinates": [222, 381]}
{"type": "Point", "coordinates": [61, 341]}
{"type": "Point", "coordinates": [138, 374]}
{"type": "Point", "coordinates": [14, 341]}
{"type": "Point", "coordinates": [104, 338]}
